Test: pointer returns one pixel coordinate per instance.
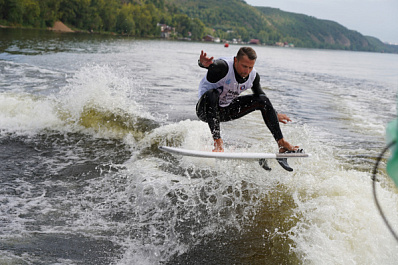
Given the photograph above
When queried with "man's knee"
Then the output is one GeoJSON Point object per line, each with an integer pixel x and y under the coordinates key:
{"type": "Point", "coordinates": [207, 103]}
{"type": "Point", "coordinates": [264, 100]}
{"type": "Point", "coordinates": [212, 95]}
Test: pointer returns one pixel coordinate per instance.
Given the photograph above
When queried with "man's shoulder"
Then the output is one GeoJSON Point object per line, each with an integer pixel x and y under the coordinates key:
{"type": "Point", "coordinates": [219, 66]}
{"type": "Point", "coordinates": [217, 70]}
{"type": "Point", "coordinates": [220, 63]}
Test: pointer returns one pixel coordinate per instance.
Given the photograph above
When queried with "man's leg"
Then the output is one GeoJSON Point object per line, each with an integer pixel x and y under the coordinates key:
{"type": "Point", "coordinates": [244, 105]}
{"type": "Point", "coordinates": [247, 104]}
{"type": "Point", "coordinates": [207, 110]}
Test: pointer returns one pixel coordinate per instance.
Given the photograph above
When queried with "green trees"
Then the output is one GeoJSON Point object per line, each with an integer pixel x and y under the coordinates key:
{"type": "Point", "coordinates": [48, 12]}
{"type": "Point", "coordinates": [197, 29]}
{"type": "Point", "coordinates": [138, 20]}
{"type": "Point", "coordinates": [108, 15]}
{"type": "Point", "coordinates": [31, 12]}
{"type": "Point", "coordinates": [188, 27]}
{"type": "Point", "coordinates": [129, 17]}
{"type": "Point", "coordinates": [124, 20]}
{"type": "Point", "coordinates": [146, 18]}
{"type": "Point", "coordinates": [12, 10]}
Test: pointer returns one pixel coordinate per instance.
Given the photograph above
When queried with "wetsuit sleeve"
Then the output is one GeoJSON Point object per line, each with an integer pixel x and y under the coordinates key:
{"type": "Point", "coordinates": [271, 115]}
{"type": "Point", "coordinates": [216, 71]}
{"type": "Point", "coordinates": [256, 88]}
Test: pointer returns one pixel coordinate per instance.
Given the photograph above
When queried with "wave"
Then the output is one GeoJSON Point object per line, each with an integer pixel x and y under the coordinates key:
{"type": "Point", "coordinates": [161, 208]}
{"type": "Point", "coordinates": [96, 100]}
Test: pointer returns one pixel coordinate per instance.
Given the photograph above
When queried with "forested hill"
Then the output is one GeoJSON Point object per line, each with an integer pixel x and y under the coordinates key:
{"type": "Point", "coordinates": [193, 19]}
{"type": "Point", "coordinates": [307, 31]}
{"type": "Point", "coordinates": [229, 19]}
{"type": "Point", "coordinates": [236, 19]}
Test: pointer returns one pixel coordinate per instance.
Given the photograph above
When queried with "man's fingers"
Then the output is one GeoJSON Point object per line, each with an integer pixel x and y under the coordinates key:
{"type": "Point", "coordinates": [283, 118]}
{"type": "Point", "coordinates": [204, 60]}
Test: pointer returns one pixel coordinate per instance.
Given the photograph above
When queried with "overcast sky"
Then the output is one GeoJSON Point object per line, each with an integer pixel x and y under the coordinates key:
{"type": "Point", "coordinates": [377, 18]}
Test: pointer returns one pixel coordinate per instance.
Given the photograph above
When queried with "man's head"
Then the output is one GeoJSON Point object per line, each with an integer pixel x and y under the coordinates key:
{"type": "Point", "coordinates": [247, 51]}
{"type": "Point", "coordinates": [244, 61]}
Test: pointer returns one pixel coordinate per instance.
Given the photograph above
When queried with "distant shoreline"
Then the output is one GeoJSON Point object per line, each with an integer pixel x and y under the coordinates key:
{"type": "Point", "coordinates": [58, 26]}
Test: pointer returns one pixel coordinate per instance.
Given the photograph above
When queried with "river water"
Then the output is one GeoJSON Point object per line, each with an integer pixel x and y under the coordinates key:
{"type": "Point", "coordinates": [83, 181]}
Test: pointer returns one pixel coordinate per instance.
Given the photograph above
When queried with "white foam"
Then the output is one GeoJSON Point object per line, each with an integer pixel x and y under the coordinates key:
{"type": "Point", "coordinates": [27, 113]}
{"type": "Point", "coordinates": [95, 87]}
{"type": "Point", "coordinates": [337, 221]}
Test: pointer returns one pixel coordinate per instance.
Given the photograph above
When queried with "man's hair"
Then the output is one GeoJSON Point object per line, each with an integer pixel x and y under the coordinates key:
{"type": "Point", "coordinates": [248, 51]}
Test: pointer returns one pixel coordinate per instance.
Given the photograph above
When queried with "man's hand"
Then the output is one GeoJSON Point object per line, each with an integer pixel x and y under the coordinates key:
{"type": "Point", "coordinates": [283, 118]}
{"type": "Point", "coordinates": [204, 60]}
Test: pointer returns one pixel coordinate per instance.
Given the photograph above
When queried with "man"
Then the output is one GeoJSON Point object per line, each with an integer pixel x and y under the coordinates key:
{"type": "Point", "coordinates": [220, 101]}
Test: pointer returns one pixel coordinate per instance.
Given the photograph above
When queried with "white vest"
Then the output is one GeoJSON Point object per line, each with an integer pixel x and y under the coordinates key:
{"type": "Point", "coordinates": [228, 86]}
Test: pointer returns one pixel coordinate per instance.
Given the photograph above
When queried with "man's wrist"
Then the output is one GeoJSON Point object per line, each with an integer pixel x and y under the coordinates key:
{"type": "Point", "coordinates": [200, 64]}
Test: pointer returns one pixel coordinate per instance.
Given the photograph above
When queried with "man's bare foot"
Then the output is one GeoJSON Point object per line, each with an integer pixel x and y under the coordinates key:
{"type": "Point", "coordinates": [218, 145]}
{"type": "Point", "coordinates": [285, 146]}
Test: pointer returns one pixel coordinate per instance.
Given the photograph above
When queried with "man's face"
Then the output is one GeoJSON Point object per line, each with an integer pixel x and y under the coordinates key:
{"type": "Point", "coordinates": [244, 66]}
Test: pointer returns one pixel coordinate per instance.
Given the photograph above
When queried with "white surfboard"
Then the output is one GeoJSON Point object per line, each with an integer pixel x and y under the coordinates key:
{"type": "Point", "coordinates": [226, 155]}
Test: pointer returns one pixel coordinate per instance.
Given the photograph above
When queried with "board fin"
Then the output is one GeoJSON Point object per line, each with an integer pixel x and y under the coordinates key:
{"type": "Point", "coordinates": [264, 164]}
{"type": "Point", "coordinates": [284, 164]}
{"type": "Point", "coordinates": [283, 161]}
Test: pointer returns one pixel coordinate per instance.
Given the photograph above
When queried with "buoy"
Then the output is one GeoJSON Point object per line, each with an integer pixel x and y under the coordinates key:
{"type": "Point", "coordinates": [226, 45]}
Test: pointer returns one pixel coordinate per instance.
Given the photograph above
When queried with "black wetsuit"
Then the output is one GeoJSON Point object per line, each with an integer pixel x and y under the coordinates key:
{"type": "Point", "coordinates": [208, 109]}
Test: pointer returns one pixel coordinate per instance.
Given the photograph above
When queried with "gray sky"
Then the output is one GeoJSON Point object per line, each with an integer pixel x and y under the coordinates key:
{"type": "Point", "coordinates": [377, 18]}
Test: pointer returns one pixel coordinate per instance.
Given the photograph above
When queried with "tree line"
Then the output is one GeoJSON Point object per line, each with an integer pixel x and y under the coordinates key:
{"type": "Point", "coordinates": [226, 19]}
{"type": "Point", "coordinates": [129, 17]}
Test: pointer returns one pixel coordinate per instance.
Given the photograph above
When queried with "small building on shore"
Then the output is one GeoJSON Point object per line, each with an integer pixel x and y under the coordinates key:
{"type": "Point", "coordinates": [254, 41]}
{"type": "Point", "coordinates": [284, 44]}
{"type": "Point", "coordinates": [208, 38]}
{"type": "Point", "coordinates": [166, 31]}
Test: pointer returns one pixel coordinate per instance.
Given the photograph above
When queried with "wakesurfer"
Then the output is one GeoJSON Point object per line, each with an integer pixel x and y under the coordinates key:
{"type": "Point", "coordinates": [220, 100]}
